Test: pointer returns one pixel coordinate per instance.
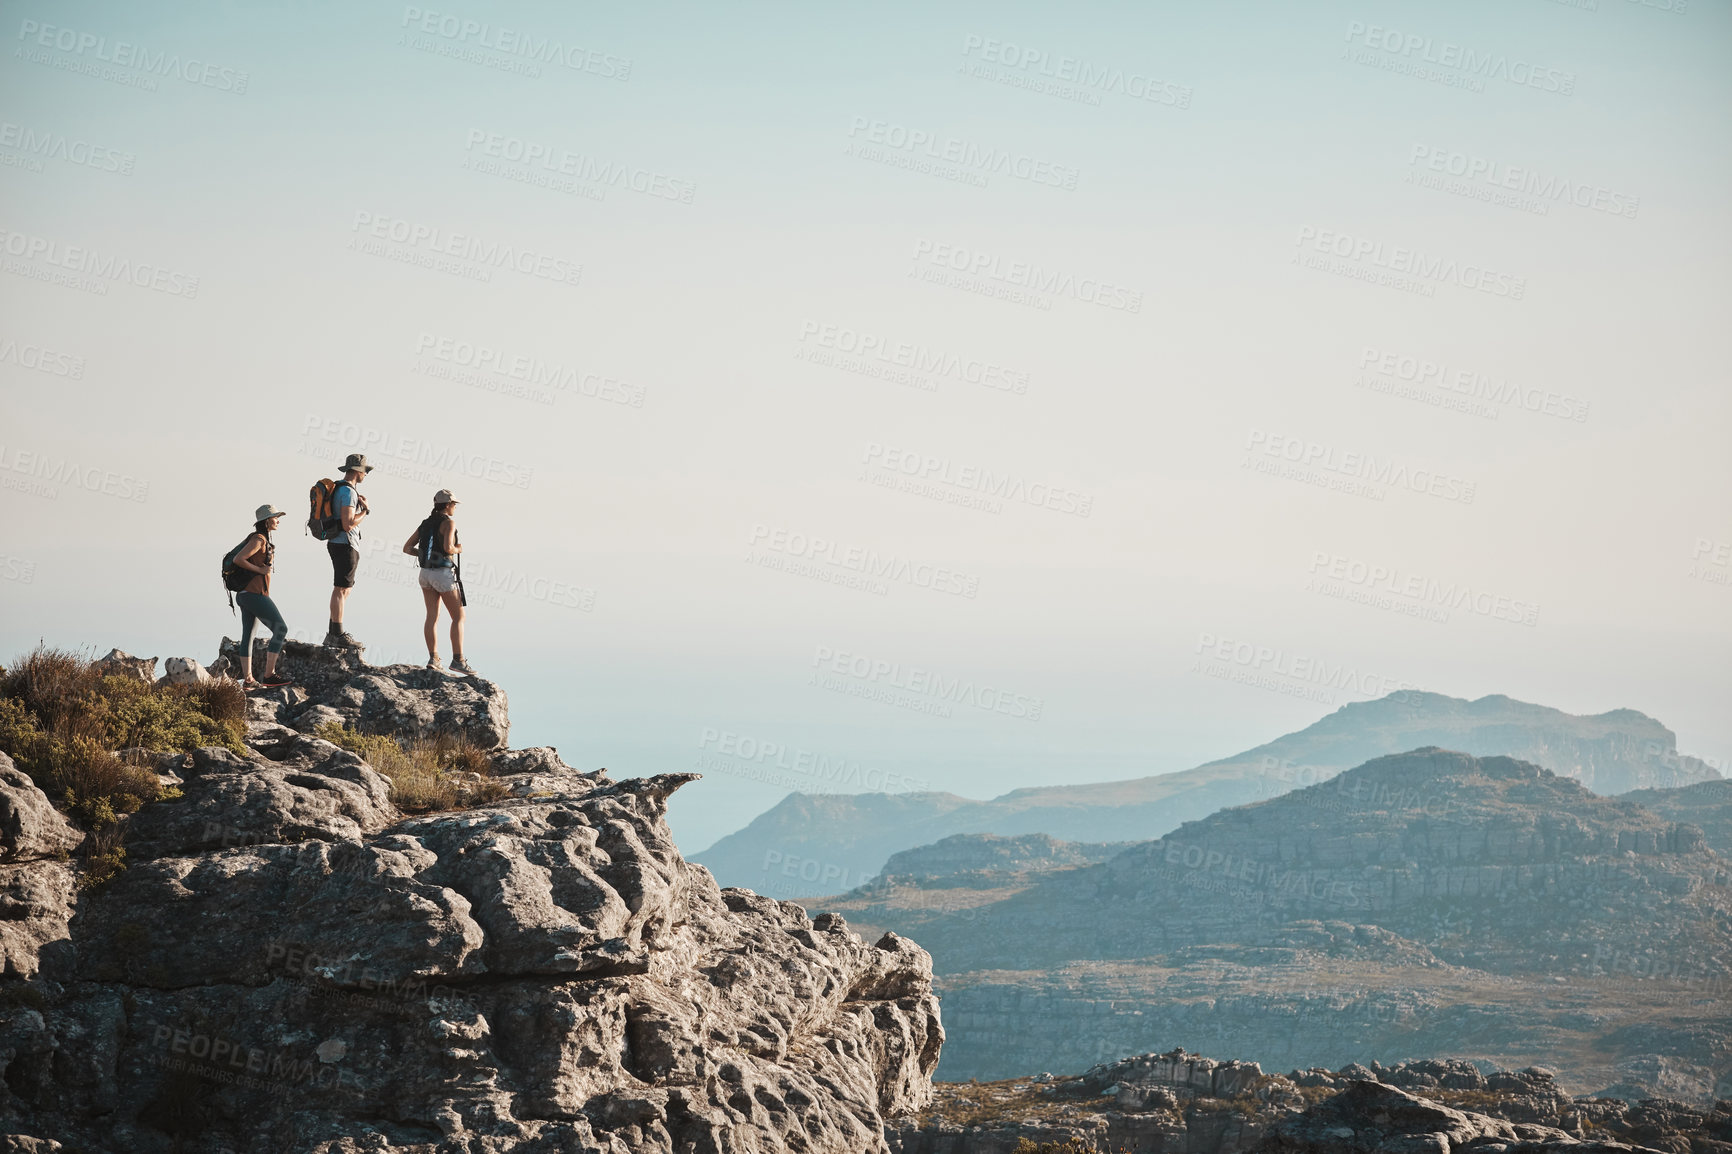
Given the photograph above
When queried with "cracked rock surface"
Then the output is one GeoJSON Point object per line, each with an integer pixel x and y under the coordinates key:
{"type": "Point", "coordinates": [289, 964]}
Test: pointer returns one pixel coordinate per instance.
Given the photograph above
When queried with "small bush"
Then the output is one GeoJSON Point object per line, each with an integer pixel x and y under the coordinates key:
{"type": "Point", "coordinates": [1071, 1145]}
{"type": "Point", "coordinates": [55, 685]}
{"type": "Point", "coordinates": [443, 772]}
{"type": "Point", "coordinates": [104, 858]}
{"type": "Point", "coordinates": [220, 698]}
{"type": "Point", "coordinates": [61, 717]}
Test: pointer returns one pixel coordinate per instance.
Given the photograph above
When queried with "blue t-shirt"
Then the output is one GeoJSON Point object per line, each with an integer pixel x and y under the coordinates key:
{"type": "Point", "coordinates": [344, 499]}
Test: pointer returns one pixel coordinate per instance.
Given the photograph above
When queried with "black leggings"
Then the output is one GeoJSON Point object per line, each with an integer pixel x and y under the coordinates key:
{"type": "Point", "coordinates": [256, 607]}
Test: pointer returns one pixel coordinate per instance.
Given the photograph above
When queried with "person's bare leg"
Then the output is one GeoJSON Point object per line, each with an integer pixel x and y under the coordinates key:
{"type": "Point", "coordinates": [246, 664]}
{"type": "Point", "coordinates": [339, 597]}
{"type": "Point", "coordinates": [270, 662]}
{"type": "Point", "coordinates": [455, 607]}
{"type": "Point", "coordinates": [430, 629]}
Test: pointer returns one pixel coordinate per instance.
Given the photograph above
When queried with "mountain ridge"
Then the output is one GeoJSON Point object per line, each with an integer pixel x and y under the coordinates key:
{"type": "Point", "coordinates": [852, 835]}
{"type": "Point", "coordinates": [1425, 903]}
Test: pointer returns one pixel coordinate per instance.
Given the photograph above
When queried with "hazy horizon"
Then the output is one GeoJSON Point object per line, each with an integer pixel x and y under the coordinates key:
{"type": "Point", "coordinates": [989, 398]}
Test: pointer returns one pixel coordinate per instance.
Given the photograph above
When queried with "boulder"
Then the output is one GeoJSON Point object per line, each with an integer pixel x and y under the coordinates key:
{"type": "Point", "coordinates": [183, 671]}
{"type": "Point", "coordinates": [119, 663]}
{"type": "Point", "coordinates": [30, 826]}
{"type": "Point", "coordinates": [36, 883]}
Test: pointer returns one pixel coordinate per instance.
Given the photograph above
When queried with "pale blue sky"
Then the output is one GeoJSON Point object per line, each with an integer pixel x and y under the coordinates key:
{"type": "Point", "coordinates": [714, 313]}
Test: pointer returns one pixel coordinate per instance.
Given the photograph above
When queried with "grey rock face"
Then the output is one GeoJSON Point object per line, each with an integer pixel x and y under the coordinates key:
{"type": "Point", "coordinates": [293, 789]}
{"type": "Point", "coordinates": [30, 826]}
{"type": "Point", "coordinates": [36, 890]}
{"type": "Point", "coordinates": [289, 965]}
{"type": "Point", "coordinates": [1707, 805]}
{"type": "Point", "coordinates": [405, 701]}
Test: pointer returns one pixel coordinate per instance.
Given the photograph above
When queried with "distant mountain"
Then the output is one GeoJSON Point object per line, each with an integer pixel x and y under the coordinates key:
{"type": "Point", "coordinates": [1427, 903]}
{"type": "Point", "coordinates": [969, 855]}
{"type": "Point", "coordinates": [1707, 804]}
{"type": "Point", "coordinates": [810, 844]}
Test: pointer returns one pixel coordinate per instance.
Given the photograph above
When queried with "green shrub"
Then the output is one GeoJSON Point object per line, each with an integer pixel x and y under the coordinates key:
{"type": "Point", "coordinates": [61, 718]}
{"type": "Point", "coordinates": [141, 716]}
{"type": "Point", "coordinates": [104, 858]}
{"type": "Point", "coordinates": [426, 775]}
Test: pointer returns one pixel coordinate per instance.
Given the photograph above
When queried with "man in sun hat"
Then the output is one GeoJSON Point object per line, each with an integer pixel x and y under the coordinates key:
{"type": "Point", "coordinates": [343, 546]}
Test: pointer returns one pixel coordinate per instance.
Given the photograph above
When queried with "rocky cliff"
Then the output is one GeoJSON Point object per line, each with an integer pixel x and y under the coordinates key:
{"type": "Point", "coordinates": [1608, 753]}
{"type": "Point", "coordinates": [1425, 904]}
{"type": "Point", "coordinates": [1707, 804]}
{"type": "Point", "coordinates": [288, 963]}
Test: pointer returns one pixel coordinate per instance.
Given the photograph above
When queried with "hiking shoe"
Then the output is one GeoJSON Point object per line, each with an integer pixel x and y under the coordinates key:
{"type": "Point", "coordinates": [275, 681]}
{"type": "Point", "coordinates": [339, 639]}
{"type": "Point", "coordinates": [458, 665]}
{"type": "Point", "coordinates": [435, 664]}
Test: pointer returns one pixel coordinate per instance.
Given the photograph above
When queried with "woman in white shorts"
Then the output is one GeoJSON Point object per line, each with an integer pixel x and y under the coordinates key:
{"type": "Point", "coordinates": [436, 546]}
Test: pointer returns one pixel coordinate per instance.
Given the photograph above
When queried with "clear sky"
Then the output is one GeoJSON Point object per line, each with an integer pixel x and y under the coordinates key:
{"type": "Point", "coordinates": [981, 397]}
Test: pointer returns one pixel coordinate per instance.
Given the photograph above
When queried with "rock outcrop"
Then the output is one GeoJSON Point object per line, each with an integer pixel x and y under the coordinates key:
{"type": "Point", "coordinates": [287, 963]}
{"type": "Point", "coordinates": [1183, 1103]}
{"type": "Point", "coordinates": [183, 671]}
{"type": "Point", "coordinates": [406, 701]}
{"type": "Point", "coordinates": [119, 663]}
{"type": "Point", "coordinates": [1371, 1118]}
{"type": "Point", "coordinates": [1707, 804]}
{"type": "Point", "coordinates": [37, 883]}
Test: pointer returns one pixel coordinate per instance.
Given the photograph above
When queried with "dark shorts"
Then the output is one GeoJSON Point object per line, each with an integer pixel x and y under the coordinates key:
{"type": "Point", "coordinates": [345, 560]}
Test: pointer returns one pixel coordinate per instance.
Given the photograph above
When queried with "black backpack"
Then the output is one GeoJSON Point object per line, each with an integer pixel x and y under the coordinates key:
{"type": "Point", "coordinates": [235, 577]}
{"type": "Point", "coordinates": [427, 536]}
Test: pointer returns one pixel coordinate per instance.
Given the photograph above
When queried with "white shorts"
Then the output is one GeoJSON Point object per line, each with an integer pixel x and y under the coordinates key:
{"type": "Point", "coordinates": [439, 580]}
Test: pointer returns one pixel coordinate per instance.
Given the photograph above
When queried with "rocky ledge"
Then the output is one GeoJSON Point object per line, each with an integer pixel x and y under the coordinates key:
{"type": "Point", "coordinates": [405, 701]}
{"type": "Point", "coordinates": [289, 964]}
{"type": "Point", "coordinates": [1182, 1103]}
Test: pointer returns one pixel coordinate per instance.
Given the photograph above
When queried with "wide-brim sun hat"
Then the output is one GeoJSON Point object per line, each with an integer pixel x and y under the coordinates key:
{"type": "Point", "coordinates": [357, 461]}
{"type": "Point", "coordinates": [266, 512]}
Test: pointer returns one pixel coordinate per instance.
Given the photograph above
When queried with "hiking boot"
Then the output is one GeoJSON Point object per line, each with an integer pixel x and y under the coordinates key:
{"type": "Point", "coordinates": [435, 664]}
{"type": "Point", "coordinates": [458, 665]}
{"type": "Point", "coordinates": [275, 681]}
{"type": "Point", "coordinates": [340, 639]}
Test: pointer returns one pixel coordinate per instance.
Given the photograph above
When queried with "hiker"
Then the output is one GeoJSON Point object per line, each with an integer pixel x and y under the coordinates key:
{"type": "Point", "coordinates": [351, 509]}
{"type": "Point", "coordinates": [257, 554]}
{"type": "Point", "coordinates": [436, 546]}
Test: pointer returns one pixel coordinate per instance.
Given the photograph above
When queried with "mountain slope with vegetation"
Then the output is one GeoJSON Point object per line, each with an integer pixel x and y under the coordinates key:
{"type": "Point", "coordinates": [790, 849]}
{"type": "Point", "coordinates": [1423, 904]}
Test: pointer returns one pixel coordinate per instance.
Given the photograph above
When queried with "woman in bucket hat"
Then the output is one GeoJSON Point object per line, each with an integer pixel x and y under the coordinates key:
{"type": "Point", "coordinates": [436, 546]}
{"type": "Point", "coordinates": [257, 553]}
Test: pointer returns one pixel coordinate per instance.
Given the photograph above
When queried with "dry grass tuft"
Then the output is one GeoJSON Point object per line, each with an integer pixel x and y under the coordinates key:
{"type": "Point", "coordinates": [447, 771]}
